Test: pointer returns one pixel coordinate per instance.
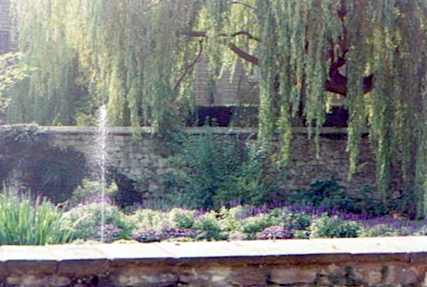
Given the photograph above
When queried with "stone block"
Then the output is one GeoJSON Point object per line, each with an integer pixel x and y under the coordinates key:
{"type": "Point", "coordinates": [145, 277]}
{"type": "Point", "coordinates": [38, 281]}
{"type": "Point", "coordinates": [292, 275]}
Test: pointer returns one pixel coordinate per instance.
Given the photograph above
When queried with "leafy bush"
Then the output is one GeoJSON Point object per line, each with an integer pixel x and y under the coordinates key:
{"type": "Point", "coordinates": [230, 219]}
{"type": "Point", "coordinates": [203, 167]}
{"type": "Point", "coordinates": [91, 191]}
{"type": "Point", "coordinates": [149, 219]}
{"type": "Point", "coordinates": [253, 225]}
{"type": "Point", "coordinates": [211, 171]}
{"type": "Point", "coordinates": [367, 203]}
{"type": "Point", "coordinates": [27, 222]}
{"type": "Point", "coordinates": [327, 194]}
{"type": "Point", "coordinates": [301, 234]}
{"type": "Point", "coordinates": [380, 230]}
{"type": "Point", "coordinates": [258, 181]}
{"type": "Point", "coordinates": [209, 228]}
{"type": "Point", "coordinates": [86, 222]}
{"type": "Point", "coordinates": [182, 218]}
{"type": "Point", "coordinates": [330, 195]}
{"type": "Point", "coordinates": [334, 227]}
{"type": "Point", "coordinates": [297, 221]}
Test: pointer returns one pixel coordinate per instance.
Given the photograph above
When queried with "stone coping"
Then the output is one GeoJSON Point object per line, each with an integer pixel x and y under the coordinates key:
{"type": "Point", "coordinates": [408, 249]}
{"type": "Point", "coordinates": [195, 130]}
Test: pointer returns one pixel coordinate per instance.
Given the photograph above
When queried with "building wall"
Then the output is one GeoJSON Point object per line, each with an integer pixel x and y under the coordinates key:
{"type": "Point", "coordinates": [4, 26]}
{"type": "Point", "coordinates": [233, 88]}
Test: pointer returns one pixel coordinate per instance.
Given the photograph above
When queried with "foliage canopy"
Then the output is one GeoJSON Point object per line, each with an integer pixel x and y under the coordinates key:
{"type": "Point", "coordinates": [138, 58]}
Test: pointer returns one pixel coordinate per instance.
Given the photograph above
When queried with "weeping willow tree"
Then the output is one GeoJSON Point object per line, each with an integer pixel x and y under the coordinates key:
{"type": "Point", "coordinates": [138, 57]}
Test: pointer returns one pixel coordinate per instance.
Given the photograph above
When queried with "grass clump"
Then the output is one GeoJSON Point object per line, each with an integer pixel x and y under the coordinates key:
{"type": "Point", "coordinates": [25, 221]}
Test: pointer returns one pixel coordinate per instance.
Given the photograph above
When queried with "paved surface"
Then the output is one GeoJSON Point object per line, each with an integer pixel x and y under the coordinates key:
{"type": "Point", "coordinates": [216, 250]}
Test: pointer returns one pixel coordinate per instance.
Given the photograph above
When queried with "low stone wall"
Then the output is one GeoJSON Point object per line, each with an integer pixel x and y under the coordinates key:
{"type": "Point", "coordinates": [143, 159]}
{"type": "Point", "coordinates": [337, 262]}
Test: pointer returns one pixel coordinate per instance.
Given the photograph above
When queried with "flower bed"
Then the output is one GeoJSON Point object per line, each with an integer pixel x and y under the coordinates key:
{"type": "Point", "coordinates": [246, 223]}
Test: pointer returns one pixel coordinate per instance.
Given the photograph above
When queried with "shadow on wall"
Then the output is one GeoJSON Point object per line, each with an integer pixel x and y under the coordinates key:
{"type": "Point", "coordinates": [225, 116]}
{"type": "Point", "coordinates": [29, 163]}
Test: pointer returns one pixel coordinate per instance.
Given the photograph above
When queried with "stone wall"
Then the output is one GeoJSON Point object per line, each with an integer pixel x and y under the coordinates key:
{"type": "Point", "coordinates": [143, 159]}
{"type": "Point", "coordinates": [374, 262]}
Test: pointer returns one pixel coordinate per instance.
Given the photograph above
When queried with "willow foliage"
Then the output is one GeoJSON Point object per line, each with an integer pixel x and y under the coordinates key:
{"type": "Point", "coordinates": [136, 57]}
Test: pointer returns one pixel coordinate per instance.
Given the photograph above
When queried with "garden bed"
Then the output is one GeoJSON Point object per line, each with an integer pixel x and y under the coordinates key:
{"type": "Point", "coordinates": [25, 222]}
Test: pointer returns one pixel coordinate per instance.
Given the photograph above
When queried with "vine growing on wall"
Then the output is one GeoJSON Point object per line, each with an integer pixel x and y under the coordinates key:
{"type": "Point", "coordinates": [138, 58]}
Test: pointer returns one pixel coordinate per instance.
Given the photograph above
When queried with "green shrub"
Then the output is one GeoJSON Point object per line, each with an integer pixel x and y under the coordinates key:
{"type": "Point", "coordinates": [239, 212]}
{"type": "Point", "coordinates": [380, 230]}
{"type": "Point", "coordinates": [27, 222]}
{"type": "Point", "coordinates": [90, 191]}
{"type": "Point", "coordinates": [182, 218]}
{"type": "Point", "coordinates": [204, 166]}
{"type": "Point", "coordinates": [230, 218]}
{"type": "Point", "coordinates": [367, 202]}
{"type": "Point", "coordinates": [209, 228]}
{"type": "Point", "coordinates": [86, 222]}
{"type": "Point", "coordinates": [149, 219]}
{"type": "Point", "coordinates": [252, 225]}
{"type": "Point", "coordinates": [212, 171]}
{"type": "Point", "coordinates": [258, 181]}
{"type": "Point", "coordinates": [301, 234]}
{"type": "Point", "coordinates": [330, 195]}
{"type": "Point", "coordinates": [296, 221]}
{"type": "Point", "coordinates": [334, 227]}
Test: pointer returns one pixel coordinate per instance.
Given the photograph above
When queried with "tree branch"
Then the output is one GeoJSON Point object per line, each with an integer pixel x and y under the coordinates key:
{"type": "Point", "coordinates": [189, 68]}
{"type": "Point", "coordinates": [243, 4]}
{"type": "Point", "coordinates": [337, 82]}
{"type": "Point", "coordinates": [243, 54]}
{"type": "Point", "coordinates": [203, 34]}
{"type": "Point", "coordinates": [245, 33]}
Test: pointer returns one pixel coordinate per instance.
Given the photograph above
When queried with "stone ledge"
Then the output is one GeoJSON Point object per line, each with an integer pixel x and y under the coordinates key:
{"type": "Point", "coordinates": [379, 248]}
{"type": "Point", "coordinates": [191, 131]}
{"type": "Point", "coordinates": [370, 262]}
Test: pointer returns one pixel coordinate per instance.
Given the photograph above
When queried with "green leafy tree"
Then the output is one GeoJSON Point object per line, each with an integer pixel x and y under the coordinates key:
{"type": "Point", "coordinates": [138, 57]}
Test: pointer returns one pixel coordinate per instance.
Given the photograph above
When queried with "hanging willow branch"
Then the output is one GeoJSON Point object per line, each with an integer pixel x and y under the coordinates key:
{"type": "Point", "coordinates": [135, 57]}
